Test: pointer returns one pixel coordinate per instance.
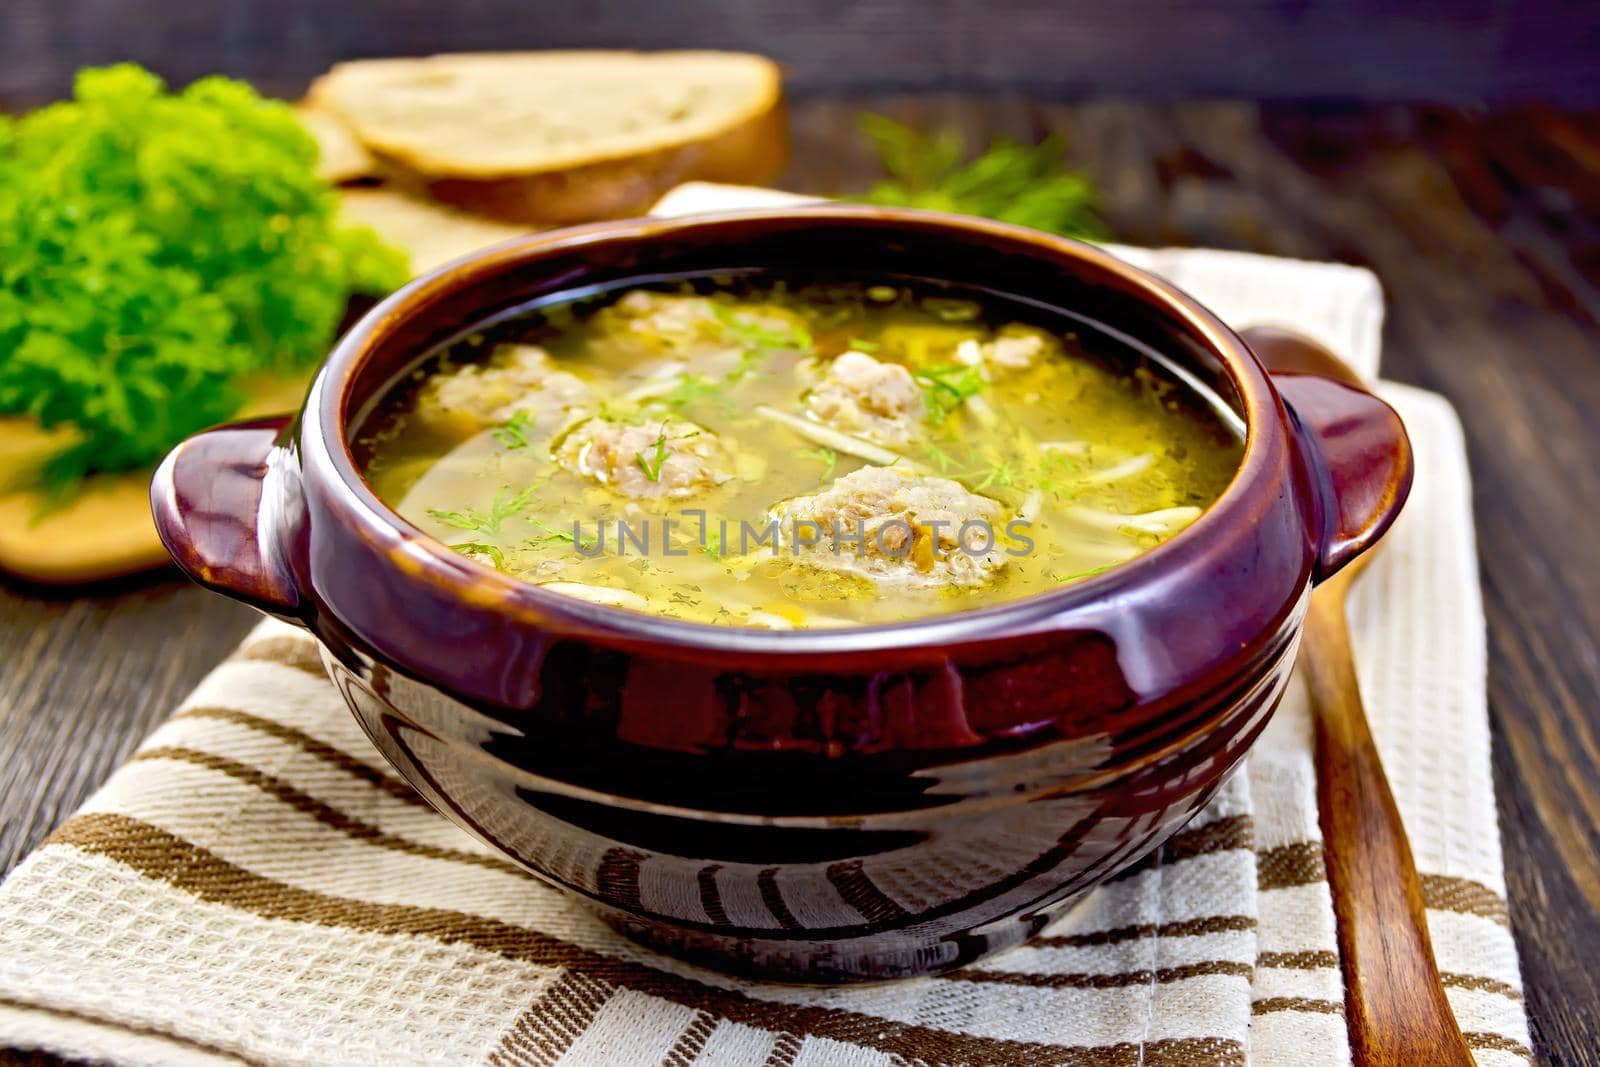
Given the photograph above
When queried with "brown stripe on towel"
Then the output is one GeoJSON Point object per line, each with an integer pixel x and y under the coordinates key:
{"type": "Point", "coordinates": [710, 895]}
{"type": "Point", "coordinates": [558, 1016]}
{"type": "Point", "coordinates": [1211, 924]}
{"type": "Point", "coordinates": [1168, 1052]}
{"type": "Point", "coordinates": [1268, 1005]}
{"type": "Point", "coordinates": [772, 897]}
{"type": "Point", "coordinates": [1465, 896]}
{"type": "Point", "coordinates": [1484, 1040]}
{"type": "Point", "coordinates": [858, 890]}
{"type": "Point", "coordinates": [157, 854]}
{"type": "Point", "coordinates": [1299, 961]}
{"type": "Point", "coordinates": [1481, 984]}
{"type": "Point", "coordinates": [691, 1041]}
{"type": "Point", "coordinates": [1222, 835]}
{"type": "Point", "coordinates": [1196, 842]}
{"type": "Point", "coordinates": [1290, 865]}
{"type": "Point", "coordinates": [618, 877]}
{"type": "Point", "coordinates": [301, 653]}
{"type": "Point", "coordinates": [784, 1051]}
{"type": "Point", "coordinates": [1301, 863]}
{"type": "Point", "coordinates": [1103, 981]}
{"type": "Point", "coordinates": [334, 757]}
{"type": "Point", "coordinates": [324, 813]}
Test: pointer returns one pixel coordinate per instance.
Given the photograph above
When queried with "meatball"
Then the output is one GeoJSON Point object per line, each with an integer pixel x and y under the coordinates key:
{"type": "Point", "coordinates": [515, 378]}
{"type": "Point", "coordinates": [898, 529]}
{"type": "Point", "coordinates": [1013, 348]}
{"type": "Point", "coordinates": [676, 321]}
{"type": "Point", "coordinates": [880, 402]}
{"type": "Point", "coordinates": [697, 326]}
{"type": "Point", "coordinates": [655, 458]}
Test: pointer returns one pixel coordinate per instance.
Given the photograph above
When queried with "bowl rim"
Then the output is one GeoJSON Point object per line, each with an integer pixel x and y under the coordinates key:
{"type": "Point", "coordinates": [430, 559]}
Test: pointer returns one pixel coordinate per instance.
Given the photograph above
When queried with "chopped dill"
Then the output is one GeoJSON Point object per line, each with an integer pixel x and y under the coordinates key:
{"type": "Point", "coordinates": [825, 456]}
{"type": "Point", "coordinates": [945, 387]}
{"type": "Point", "coordinates": [943, 460]}
{"type": "Point", "coordinates": [652, 466]}
{"type": "Point", "coordinates": [1057, 474]}
{"type": "Point", "coordinates": [1029, 185]}
{"type": "Point", "coordinates": [691, 389]}
{"type": "Point", "coordinates": [513, 433]}
{"type": "Point", "coordinates": [998, 474]}
{"type": "Point", "coordinates": [553, 534]}
{"type": "Point", "coordinates": [478, 548]}
{"type": "Point", "coordinates": [626, 416]}
{"type": "Point", "coordinates": [758, 341]}
{"type": "Point", "coordinates": [488, 524]}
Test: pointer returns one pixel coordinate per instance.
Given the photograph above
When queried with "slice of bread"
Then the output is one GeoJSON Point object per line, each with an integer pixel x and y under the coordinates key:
{"type": "Point", "coordinates": [430, 234]}
{"type": "Point", "coordinates": [558, 137]}
{"type": "Point", "coordinates": [340, 156]}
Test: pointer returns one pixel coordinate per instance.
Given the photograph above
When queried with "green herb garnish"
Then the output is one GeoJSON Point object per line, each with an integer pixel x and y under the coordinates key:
{"type": "Point", "coordinates": [487, 524]}
{"type": "Point", "coordinates": [976, 470]}
{"type": "Point", "coordinates": [758, 341]}
{"type": "Point", "coordinates": [1057, 473]}
{"type": "Point", "coordinates": [1025, 184]}
{"type": "Point", "coordinates": [861, 344]}
{"type": "Point", "coordinates": [564, 536]}
{"type": "Point", "coordinates": [998, 474]}
{"type": "Point", "coordinates": [620, 413]}
{"type": "Point", "coordinates": [478, 548]}
{"type": "Point", "coordinates": [156, 247]}
{"type": "Point", "coordinates": [945, 387]}
{"type": "Point", "coordinates": [942, 459]}
{"type": "Point", "coordinates": [652, 465]}
{"type": "Point", "coordinates": [513, 433]}
{"type": "Point", "coordinates": [691, 389]}
{"type": "Point", "coordinates": [826, 456]}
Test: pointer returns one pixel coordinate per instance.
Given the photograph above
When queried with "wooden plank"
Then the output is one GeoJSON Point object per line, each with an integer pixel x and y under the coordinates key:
{"type": "Point", "coordinates": [1364, 49]}
{"type": "Point", "coordinates": [83, 678]}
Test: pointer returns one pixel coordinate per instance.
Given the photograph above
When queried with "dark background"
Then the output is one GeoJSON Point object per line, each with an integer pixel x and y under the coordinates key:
{"type": "Point", "coordinates": [1477, 50]}
{"type": "Point", "coordinates": [1452, 148]}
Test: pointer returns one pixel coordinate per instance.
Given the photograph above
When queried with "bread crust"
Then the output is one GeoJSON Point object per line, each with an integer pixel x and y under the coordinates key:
{"type": "Point", "coordinates": [752, 153]}
{"type": "Point", "coordinates": [753, 149]}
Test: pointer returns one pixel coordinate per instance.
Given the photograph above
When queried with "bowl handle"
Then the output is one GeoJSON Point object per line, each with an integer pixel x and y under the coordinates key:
{"type": "Point", "coordinates": [217, 503]}
{"type": "Point", "coordinates": [1354, 444]}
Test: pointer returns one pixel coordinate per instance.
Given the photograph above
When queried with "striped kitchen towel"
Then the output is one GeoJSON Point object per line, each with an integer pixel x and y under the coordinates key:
{"type": "Point", "coordinates": [256, 886]}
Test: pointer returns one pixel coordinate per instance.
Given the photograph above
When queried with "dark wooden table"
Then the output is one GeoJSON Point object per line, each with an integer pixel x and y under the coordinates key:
{"type": "Point", "coordinates": [1485, 228]}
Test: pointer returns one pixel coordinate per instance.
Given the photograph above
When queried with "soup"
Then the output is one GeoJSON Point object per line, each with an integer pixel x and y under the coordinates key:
{"type": "Point", "coordinates": [758, 454]}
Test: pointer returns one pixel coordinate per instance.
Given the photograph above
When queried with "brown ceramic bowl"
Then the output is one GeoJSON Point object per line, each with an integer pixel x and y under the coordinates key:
{"type": "Point", "coordinates": [823, 805]}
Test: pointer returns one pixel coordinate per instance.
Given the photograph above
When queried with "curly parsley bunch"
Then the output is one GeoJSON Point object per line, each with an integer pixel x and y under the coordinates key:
{"type": "Point", "coordinates": [153, 248]}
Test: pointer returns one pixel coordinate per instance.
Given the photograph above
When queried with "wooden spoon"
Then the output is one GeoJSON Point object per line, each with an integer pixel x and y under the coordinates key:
{"type": "Point", "coordinates": [1395, 1004]}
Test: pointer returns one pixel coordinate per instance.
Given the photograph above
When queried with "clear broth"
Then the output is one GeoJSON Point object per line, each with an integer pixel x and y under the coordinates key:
{"type": "Point", "coordinates": [528, 445]}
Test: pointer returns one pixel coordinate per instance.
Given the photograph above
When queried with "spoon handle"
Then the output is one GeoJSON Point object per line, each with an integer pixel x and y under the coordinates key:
{"type": "Point", "coordinates": [1395, 1005]}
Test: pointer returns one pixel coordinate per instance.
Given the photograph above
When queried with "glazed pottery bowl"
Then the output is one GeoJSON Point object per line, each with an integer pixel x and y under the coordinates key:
{"type": "Point", "coordinates": [822, 805]}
